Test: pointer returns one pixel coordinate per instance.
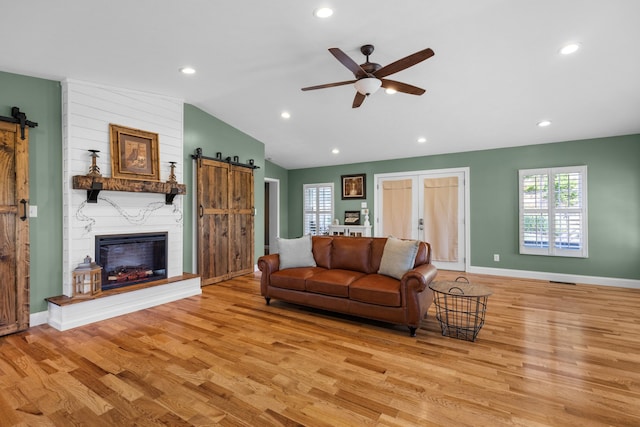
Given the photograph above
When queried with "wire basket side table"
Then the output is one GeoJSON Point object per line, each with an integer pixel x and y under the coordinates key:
{"type": "Point", "coordinates": [460, 307]}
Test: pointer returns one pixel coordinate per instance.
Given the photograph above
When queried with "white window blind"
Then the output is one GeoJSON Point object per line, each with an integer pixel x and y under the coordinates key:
{"type": "Point", "coordinates": [318, 208]}
{"type": "Point", "coordinates": [553, 211]}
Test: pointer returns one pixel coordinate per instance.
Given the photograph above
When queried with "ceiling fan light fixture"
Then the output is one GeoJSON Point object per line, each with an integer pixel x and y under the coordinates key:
{"type": "Point", "coordinates": [390, 91]}
{"type": "Point", "coordinates": [544, 123]}
{"type": "Point", "coordinates": [368, 85]}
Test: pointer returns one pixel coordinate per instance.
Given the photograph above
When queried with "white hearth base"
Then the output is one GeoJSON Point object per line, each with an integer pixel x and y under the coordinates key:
{"type": "Point", "coordinates": [63, 317]}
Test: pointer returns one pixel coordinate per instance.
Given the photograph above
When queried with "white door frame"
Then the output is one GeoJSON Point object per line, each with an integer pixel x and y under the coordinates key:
{"type": "Point", "coordinates": [274, 211]}
{"type": "Point", "coordinates": [467, 212]}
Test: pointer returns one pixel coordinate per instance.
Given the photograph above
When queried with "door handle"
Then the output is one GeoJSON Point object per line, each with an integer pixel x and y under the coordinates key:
{"type": "Point", "coordinates": [24, 209]}
{"type": "Point", "coordinates": [201, 211]}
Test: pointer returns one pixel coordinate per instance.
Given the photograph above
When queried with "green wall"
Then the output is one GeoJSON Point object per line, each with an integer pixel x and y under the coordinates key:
{"type": "Point", "coordinates": [613, 201]}
{"type": "Point", "coordinates": [201, 130]}
{"type": "Point", "coordinates": [613, 180]}
{"type": "Point", "coordinates": [274, 171]}
{"type": "Point", "coordinates": [40, 100]}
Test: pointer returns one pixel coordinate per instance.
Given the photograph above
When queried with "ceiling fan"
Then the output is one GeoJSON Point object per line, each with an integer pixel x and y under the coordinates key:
{"type": "Point", "coordinates": [369, 77]}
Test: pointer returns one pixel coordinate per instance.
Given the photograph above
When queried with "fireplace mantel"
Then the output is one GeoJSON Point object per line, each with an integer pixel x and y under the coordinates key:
{"type": "Point", "coordinates": [94, 185]}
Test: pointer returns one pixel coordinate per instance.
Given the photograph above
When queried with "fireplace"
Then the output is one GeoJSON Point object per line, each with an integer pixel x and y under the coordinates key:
{"type": "Point", "coordinates": [129, 259]}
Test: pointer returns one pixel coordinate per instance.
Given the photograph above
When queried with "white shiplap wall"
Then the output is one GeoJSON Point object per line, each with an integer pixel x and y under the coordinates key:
{"type": "Point", "coordinates": [87, 111]}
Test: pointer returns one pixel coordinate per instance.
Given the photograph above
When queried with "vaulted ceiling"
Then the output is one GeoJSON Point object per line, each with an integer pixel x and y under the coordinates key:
{"type": "Point", "coordinates": [496, 73]}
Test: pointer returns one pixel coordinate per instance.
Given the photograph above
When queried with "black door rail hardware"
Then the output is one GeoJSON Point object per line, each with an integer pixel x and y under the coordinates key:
{"type": "Point", "coordinates": [18, 116]}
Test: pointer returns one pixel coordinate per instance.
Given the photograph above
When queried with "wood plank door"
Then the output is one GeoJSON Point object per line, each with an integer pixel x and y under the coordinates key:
{"type": "Point", "coordinates": [14, 229]}
{"type": "Point", "coordinates": [213, 220]}
{"type": "Point", "coordinates": [241, 224]}
{"type": "Point", "coordinates": [225, 220]}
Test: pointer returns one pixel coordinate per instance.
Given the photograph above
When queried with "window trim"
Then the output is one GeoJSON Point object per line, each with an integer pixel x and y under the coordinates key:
{"type": "Point", "coordinates": [552, 249]}
{"type": "Point", "coordinates": [316, 212]}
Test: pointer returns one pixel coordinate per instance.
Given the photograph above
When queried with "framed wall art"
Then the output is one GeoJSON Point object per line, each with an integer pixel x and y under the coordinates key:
{"type": "Point", "coordinates": [354, 186]}
{"type": "Point", "coordinates": [352, 218]}
{"type": "Point", "coordinates": [134, 153]}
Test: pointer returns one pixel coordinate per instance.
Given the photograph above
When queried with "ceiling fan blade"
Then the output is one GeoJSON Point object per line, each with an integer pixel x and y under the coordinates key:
{"type": "Point", "coordinates": [402, 87]}
{"type": "Point", "coordinates": [403, 63]}
{"type": "Point", "coordinates": [329, 85]}
{"type": "Point", "coordinates": [348, 62]}
{"type": "Point", "coordinates": [358, 100]}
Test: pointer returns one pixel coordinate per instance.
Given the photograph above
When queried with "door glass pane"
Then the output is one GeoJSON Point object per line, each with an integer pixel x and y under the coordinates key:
{"type": "Point", "coordinates": [441, 217]}
{"type": "Point", "coordinates": [397, 208]}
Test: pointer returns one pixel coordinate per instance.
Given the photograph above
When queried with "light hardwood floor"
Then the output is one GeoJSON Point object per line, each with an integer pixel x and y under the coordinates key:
{"type": "Point", "coordinates": [548, 355]}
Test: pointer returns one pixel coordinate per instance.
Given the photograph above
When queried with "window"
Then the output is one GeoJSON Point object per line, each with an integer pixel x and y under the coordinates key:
{"type": "Point", "coordinates": [553, 211]}
{"type": "Point", "coordinates": [318, 208]}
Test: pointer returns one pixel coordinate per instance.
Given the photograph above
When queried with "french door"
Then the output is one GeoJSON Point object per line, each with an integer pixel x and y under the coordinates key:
{"type": "Point", "coordinates": [429, 206]}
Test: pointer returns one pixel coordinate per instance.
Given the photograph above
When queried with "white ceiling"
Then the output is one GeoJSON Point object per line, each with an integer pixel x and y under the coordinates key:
{"type": "Point", "coordinates": [496, 70]}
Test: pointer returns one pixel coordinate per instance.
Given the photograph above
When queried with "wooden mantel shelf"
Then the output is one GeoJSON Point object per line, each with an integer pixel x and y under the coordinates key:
{"type": "Point", "coordinates": [94, 185]}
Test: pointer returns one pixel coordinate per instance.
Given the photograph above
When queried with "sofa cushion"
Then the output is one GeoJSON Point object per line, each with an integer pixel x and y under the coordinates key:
{"type": "Point", "coordinates": [398, 257]}
{"type": "Point", "coordinates": [332, 282]}
{"type": "Point", "coordinates": [376, 289]}
{"type": "Point", "coordinates": [351, 253]}
{"type": "Point", "coordinates": [377, 249]}
{"type": "Point", "coordinates": [295, 252]}
{"type": "Point", "coordinates": [322, 250]}
{"type": "Point", "coordinates": [423, 256]}
{"type": "Point", "coordinates": [293, 278]}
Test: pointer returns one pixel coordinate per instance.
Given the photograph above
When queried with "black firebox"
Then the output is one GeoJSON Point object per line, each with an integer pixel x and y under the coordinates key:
{"type": "Point", "coordinates": [128, 259]}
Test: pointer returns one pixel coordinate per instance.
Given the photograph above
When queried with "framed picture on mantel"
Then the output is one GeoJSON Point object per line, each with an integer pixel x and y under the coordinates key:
{"type": "Point", "coordinates": [134, 153]}
{"type": "Point", "coordinates": [352, 218]}
{"type": "Point", "coordinates": [354, 186]}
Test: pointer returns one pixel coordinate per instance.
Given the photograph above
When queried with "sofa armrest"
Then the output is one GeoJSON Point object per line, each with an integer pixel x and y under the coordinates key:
{"type": "Point", "coordinates": [419, 278]}
{"type": "Point", "coordinates": [267, 264]}
{"type": "Point", "coordinates": [416, 294]}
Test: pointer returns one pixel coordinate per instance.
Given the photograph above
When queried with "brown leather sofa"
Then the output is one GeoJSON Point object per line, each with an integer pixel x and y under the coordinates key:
{"type": "Point", "coordinates": [345, 280]}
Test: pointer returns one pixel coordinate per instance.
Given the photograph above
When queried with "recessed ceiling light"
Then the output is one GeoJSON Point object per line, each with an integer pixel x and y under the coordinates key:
{"type": "Point", "coordinates": [285, 115]}
{"type": "Point", "coordinates": [391, 91]}
{"type": "Point", "coordinates": [187, 70]}
{"type": "Point", "coordinates": [570, 48]}
{"type": "Point", "coordinates": [335, 151]}
{"type": "Point", "coordinates": [422, 140]}
{"type": "Point", "coordinates": [323, 12]}
{"type": "Point", "coordinates": [544, 123]}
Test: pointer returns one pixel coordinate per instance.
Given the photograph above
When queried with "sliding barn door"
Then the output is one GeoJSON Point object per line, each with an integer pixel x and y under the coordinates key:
{"type": "Point", "coordinates": [241, 221]}
{"type": "Point", "coordinates": [225, 220]}
{"type": "Point", "coordinates": [14, 229]}
{"type": "Point", "coordinates": [213, 221]}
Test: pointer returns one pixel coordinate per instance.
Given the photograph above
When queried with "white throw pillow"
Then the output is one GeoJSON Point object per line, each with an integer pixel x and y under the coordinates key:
{"type": "Point", "coordinates": [398, 257]}
{"type": "Point", "coordinates": [296, 252]}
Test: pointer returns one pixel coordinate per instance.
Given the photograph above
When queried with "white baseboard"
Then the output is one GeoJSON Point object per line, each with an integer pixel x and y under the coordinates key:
{"type": "Point", "coordinates": [557, 277]}
{"type": "Point", "coordinates": [39, 318]}
{"type": "Point", "coordinates": [78, 314]}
